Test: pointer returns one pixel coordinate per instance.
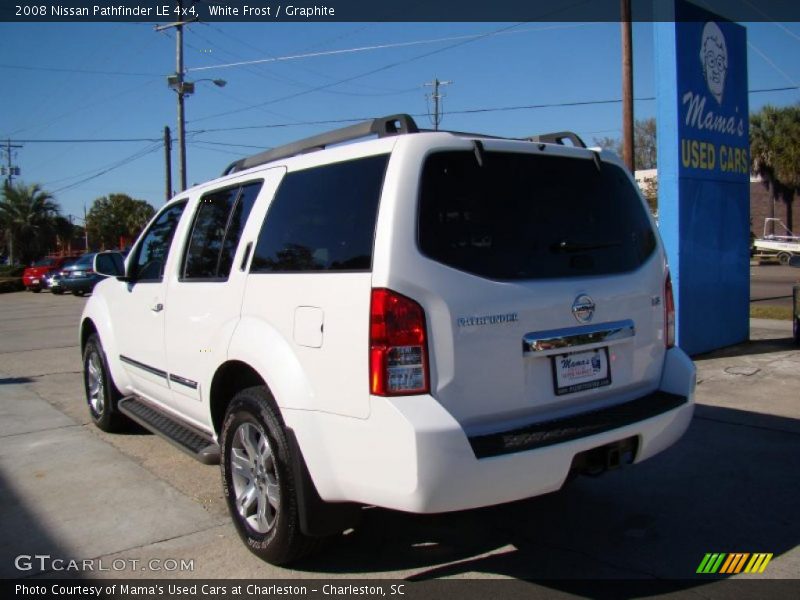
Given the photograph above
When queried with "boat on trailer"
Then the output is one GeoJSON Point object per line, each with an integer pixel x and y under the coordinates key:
{"type": "Point", "coordinates": [772, 246]}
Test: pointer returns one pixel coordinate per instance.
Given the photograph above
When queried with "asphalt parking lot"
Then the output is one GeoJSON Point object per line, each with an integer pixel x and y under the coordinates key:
{"type": "Point", "coordinates": [72, 491]}
{"type": "Point", "coordinates": [771, 284]}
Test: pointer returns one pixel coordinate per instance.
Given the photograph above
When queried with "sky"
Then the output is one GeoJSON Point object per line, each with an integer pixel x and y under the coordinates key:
{"type": "Point", "coordinates": [92, 81]}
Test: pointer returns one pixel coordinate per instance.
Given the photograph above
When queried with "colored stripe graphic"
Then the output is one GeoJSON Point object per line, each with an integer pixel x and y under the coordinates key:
{"type": "Point", "coordinates": [711, 563]}
{"type": "Point", "coordinates": [758, 563]}
{"type": "Point", "coordinates": [733, 563]}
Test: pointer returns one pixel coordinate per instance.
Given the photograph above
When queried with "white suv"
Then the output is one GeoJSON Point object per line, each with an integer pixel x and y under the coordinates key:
{"type": "Point", "coordinates": [426, 321]}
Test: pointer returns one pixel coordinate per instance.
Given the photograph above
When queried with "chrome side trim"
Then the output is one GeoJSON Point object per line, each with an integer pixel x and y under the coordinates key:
{"type": "Point", "coordinates": [143, 367]}
{"type": "Point", "coordinates": [183, 381]}
{"type": "Point", "coordinates": [554, 339]}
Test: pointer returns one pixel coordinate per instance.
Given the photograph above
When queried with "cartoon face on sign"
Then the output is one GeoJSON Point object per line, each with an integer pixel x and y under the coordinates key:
{"type": "Point", "coordinates": [714, 57]}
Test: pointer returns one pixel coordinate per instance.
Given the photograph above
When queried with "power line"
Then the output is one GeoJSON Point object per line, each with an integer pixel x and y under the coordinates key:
{"type": "Point", "coordinates": [121, 163]}
{"type": "Point", "coordinates": [87, 140]}
{"type": "Point", "coordinates": [358, 49]}
{"type": "Point", "coordinates": [381, 91]}
{"type": "Point", "coordinates": [360, 75]}
{"type": "Point", "coordinates": [770, 62]}
{"type": "Point", "coordinates": [81, 71]}
{"type": "Point", "coordinates": [365, 118]}
{"type": "Point", "coordinates": [232, 145]}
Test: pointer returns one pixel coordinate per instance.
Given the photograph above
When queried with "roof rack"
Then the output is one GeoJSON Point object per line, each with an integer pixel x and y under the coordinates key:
{"type": "Point", "coordinates": [382, 127]}
{"type": "Point", "coordinates": [557, 138]}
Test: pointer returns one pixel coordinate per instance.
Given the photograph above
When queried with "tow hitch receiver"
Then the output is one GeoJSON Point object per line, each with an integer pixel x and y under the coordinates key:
{"type": "Point", "coordinates": [605, 458]}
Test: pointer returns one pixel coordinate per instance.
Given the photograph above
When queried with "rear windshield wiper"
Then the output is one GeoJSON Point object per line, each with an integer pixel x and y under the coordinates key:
{"type": "Point", "coordinates": [568, 246]}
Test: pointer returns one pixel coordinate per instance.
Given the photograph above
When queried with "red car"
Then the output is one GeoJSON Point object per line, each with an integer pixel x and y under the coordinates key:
{"type": "Point", "coordinates": [34, 277]}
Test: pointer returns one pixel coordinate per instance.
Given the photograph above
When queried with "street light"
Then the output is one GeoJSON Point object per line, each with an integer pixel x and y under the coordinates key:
{"type": "Point", "coordinates": [184, 88]}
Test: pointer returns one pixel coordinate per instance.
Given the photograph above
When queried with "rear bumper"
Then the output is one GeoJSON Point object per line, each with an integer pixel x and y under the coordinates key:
{"type": "Point", "coordinates": [83, 284]}
{"type": "Point", "coordinates": [411, 455]}
{"type": "Point", "coordinates": [33, 283]}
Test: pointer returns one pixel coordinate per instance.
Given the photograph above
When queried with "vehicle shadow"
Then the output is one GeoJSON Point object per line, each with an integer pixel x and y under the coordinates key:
{"type": "Point", "coordinates": [23, 536]}
{"type": "Point", "coordinates": [750, 348]}
{"type": "Point", "coordinates": [722, 488]}
{"type": "Point", "coordinates": [14, 380]}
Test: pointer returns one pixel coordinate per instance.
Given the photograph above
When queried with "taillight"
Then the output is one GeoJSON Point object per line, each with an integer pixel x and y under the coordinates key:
{"type": "Point", "coordinates": [398, 347]}
{"type": "Point", "coordinates": [669, 313]}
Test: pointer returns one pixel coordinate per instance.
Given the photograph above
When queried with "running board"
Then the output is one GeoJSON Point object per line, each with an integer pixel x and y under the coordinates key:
{"type": "Point", "coordinates": [194, 442]}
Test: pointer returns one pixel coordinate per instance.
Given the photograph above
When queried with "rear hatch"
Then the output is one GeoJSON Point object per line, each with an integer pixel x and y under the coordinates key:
{"type": "Point", "coordinates": [542, 282]}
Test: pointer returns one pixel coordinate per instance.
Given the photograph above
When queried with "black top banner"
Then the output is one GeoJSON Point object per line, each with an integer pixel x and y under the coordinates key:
{"type": "Point", "coordinates": [378, 10]}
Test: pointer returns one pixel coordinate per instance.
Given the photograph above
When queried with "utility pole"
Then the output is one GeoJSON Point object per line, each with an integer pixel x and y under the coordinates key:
{"type": "Point", "coordinates": [627, 85]}
{"type": "Point", "coordinates": [85, 228]}
{"type": "Point", "coordinates": [10, 171]}
{"type": "Point", "coordinates": [183, 89]}
{"type": "Point", "coordinates": [181, 93]}
{"type": "Point", "coordinates": [168, 160]}
{"type": "Point", "coordinates": [436, 84]}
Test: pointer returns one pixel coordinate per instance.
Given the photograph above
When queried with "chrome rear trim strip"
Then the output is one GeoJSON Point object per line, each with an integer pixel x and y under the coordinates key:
{"type": "Point", "coordinates": [554, 339]}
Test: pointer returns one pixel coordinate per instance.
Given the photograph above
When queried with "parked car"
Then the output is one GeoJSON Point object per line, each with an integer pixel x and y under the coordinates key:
{"type": "Point", "coordinates": [795, 262]}
{"type": "Point", "coordinates": [425, 322]}
{"type": "Point", "coordinates": [34, 277]}
{"type": "Point", "coordinates": [80, 277]}
{"type": "Point", "coordinates": [53, 280]}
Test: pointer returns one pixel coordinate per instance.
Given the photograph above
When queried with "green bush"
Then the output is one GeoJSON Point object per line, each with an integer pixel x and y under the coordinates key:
{"type": "Point", "coordinates": [11, 270]}
{"type": "Point", "coordinates": [11, 284]}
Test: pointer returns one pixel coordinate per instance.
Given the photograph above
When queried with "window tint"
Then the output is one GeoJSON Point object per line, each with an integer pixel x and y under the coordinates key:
{"type": "Point", "coordinates": [217, 228]}
{"type": "Point", "coordinates": [522, 216]}
{"type": "Point", "coordinates": [45, 262]}
{"type": "Point", "coordinates": [323, 219]}
{"type": "Point", "coordinates": [151, 253]}
{"type": "Point", "coordinates": [237, 222]}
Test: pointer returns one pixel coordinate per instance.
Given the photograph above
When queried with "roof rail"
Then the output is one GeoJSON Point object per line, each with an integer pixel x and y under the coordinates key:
{"type": "Point", "coordinates": [558, 138]}
{"type": "Point", "coordinates": [382, 127]}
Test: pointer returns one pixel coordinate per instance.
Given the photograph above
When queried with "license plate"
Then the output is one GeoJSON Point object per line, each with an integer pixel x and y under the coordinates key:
{"type": "Point", "coordinates": [579, 371]}
{"type": "Point", "coordinates": [34, 281]}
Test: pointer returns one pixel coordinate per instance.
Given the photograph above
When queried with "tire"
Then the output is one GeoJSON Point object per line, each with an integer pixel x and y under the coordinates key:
{"type": "Point", "coordinates": [57, 292]}
{"type": "Point", "coordinates": [258, 481]}
{"type": "Point", "coordinates": [77, 292]}
{"type": "Point", "coordinates": [36, 290]}
{"type": "Point", "coordinates": [101, 393]}
{"type": "Point", "coordinates": [797, 330]}
{"type": "Point", "coordinates": [783, 258]}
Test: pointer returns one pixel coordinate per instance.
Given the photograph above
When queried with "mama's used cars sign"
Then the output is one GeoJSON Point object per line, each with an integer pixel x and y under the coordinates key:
{"type": "Point", "coordinates": [703, 172]}
{"type": "Point", "coordinates": [712, 91]}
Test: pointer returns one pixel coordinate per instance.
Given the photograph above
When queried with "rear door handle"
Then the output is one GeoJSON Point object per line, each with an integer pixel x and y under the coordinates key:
{"type": "Point", "coordinates": [157, 307]}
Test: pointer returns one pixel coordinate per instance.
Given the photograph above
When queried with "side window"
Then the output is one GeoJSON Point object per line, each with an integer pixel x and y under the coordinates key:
{"type": "Point", "coordinates": [322, 219]}
{"type": "Point", "coordinates": [217, 227]}
{"type": "Point", "coordinates": [237, 222]}
{"type": "Point", "coordinates": [151, 253]}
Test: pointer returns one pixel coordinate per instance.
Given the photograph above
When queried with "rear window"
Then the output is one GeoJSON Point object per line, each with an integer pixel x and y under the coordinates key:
{"type": "Point", "coordinates": [322, 219]}
{"type": "Point", "coordinates": [45, 262]}
{"type": "Point", "coordinates": [528, 216]}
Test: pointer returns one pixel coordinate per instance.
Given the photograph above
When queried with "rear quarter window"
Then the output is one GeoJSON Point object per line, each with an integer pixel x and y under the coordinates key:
{"type": "Point", "coordinates": [529, 216]}
{"type": "Point", "coordinates": [322, 219]}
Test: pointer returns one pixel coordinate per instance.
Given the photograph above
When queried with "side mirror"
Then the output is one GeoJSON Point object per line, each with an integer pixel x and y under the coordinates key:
{"type": "Point", "coordinates": [110, 264]}
{"type": "Point", "coordinates": [795, 261]}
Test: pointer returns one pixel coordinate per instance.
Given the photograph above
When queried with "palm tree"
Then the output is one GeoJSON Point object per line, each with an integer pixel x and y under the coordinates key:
{"type": "Point", "coordinates": [775, 154]}
{"type": "Point", "coordinates": [27, 215]}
